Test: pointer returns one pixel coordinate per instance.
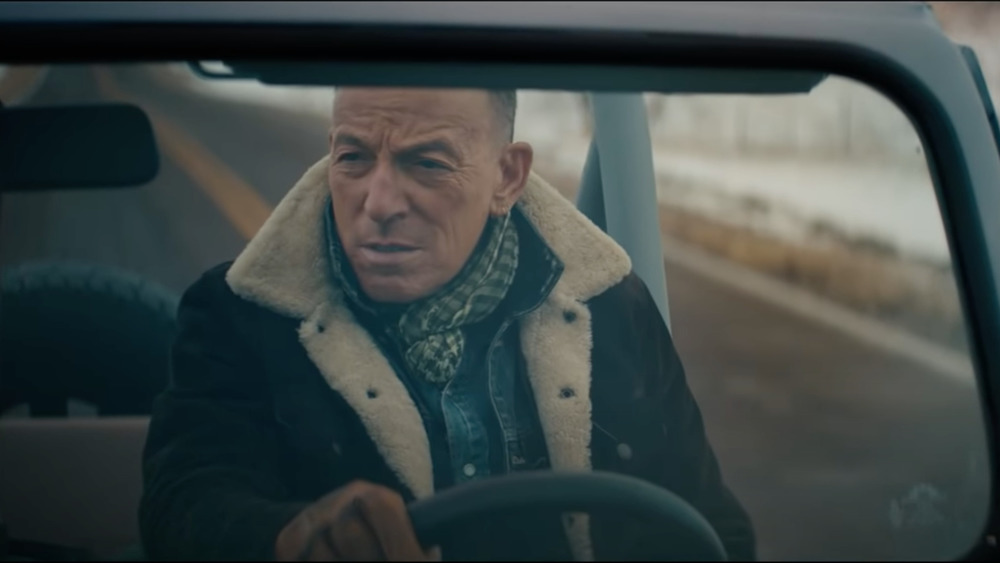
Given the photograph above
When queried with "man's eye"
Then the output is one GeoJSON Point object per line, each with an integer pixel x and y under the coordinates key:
{"type": "Point", "coordinates": [430, 164]}
{"type": "Point", "coordinates": [349, 157]}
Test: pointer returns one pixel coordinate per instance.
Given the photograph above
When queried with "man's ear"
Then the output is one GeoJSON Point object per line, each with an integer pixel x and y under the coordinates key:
{"type": "Point", "coordinates": [515, 167]}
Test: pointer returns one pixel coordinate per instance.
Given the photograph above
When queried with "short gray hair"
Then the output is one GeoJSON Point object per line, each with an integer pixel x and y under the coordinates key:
{"type": "Point", "coordinates": [505, 106]}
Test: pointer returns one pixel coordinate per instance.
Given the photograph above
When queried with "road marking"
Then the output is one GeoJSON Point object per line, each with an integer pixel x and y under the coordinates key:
{"type": "Point", "coordinates": [20, 83]}
{"type": "Point", "coordinates": [238, 201]}
{"type": "Point", "coordinates": [247, 211]}
{"type": "Point", "coordinates": [943, 360]}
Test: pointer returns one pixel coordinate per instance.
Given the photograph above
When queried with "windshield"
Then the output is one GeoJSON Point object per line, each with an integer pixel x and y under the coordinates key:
{"type": "Point", "coordinates": [431, 287]}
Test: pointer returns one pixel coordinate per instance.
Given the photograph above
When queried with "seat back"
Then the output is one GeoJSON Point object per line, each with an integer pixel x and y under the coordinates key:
{"type": "Point", "coordinates": [73, 482]}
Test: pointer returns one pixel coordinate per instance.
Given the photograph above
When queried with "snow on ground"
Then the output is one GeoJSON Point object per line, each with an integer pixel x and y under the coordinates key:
{"type": "Point", "coordinates": [797, 199]}
{"type": "Point", "coordinates": [788, 193]}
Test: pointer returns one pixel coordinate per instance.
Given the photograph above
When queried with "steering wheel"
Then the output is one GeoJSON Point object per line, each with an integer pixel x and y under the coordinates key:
{"type": "Point", "coordinates": [435, 516]}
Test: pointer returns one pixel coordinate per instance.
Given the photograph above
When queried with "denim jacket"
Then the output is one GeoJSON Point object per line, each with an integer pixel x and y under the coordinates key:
{"type": "Point", "coordinates": [483, 422]}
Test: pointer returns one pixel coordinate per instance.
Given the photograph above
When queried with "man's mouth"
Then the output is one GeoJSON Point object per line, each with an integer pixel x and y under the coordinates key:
{"type": "Point", "coordinates": [389, 247]}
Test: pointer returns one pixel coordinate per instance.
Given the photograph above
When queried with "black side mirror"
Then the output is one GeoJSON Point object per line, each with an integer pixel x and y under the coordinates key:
{"type": "Point", "coordinates": [76, 147]}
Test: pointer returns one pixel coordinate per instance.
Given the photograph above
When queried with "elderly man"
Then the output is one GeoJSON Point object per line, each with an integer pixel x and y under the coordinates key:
{"type": "Point", "coordinates": [420, 310]}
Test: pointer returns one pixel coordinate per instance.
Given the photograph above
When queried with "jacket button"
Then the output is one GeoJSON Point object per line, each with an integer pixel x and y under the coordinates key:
{"type": "Point", "coordinates": [624, 451]}
{"type": "Point", "coordinates": [469, 470]}
{"type": "Point", "coordinates": [570, 316]}
{"type": "Point", "coordinates": [372, 393]}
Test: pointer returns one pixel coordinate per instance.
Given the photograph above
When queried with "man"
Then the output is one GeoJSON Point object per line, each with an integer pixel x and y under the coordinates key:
{"type": "Point", "coordinates": [418, 312]}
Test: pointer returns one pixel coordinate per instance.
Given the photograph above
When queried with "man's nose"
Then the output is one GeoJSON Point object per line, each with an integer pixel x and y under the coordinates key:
{"type": "Point", "coordinates": [385, 200]}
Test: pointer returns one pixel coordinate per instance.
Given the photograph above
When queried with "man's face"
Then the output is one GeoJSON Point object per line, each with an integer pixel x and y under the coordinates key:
{"type": "Point", "coordinates": [414, 175]}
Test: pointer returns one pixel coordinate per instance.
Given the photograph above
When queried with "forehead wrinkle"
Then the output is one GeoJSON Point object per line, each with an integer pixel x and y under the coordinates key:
{"type": "Point", "coordinates": [398, 115]}
{"type": "Point", "coordinates": [401, 141]}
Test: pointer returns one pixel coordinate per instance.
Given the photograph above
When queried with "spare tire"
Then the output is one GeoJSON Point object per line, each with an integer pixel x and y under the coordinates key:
{"type": "Point", "coordinates": [85, 332]}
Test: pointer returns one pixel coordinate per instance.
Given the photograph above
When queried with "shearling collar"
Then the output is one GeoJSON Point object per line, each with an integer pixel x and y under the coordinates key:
{"type": "Point", "coordinates": [286, 269]}
{"type": "Point", "coordinates": [285, 266]}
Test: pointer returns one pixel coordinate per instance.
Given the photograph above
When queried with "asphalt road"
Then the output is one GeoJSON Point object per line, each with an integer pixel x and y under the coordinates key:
{"type": "Point", "coordinates": [817, 433]}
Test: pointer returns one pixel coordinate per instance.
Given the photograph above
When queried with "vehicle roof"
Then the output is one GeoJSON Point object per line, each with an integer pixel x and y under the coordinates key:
{"type": "Point", "coordinates": [716, 17]}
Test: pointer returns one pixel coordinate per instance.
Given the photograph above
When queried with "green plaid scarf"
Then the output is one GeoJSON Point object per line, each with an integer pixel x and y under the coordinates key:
{"type": "Point", "coordinates": [430, 331]}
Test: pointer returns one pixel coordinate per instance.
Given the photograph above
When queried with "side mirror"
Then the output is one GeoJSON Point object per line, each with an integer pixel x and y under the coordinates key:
{"type": "Point", "coordinates": [76, 147]}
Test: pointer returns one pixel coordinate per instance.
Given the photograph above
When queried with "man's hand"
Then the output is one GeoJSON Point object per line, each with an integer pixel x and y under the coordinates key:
{"type": "Point", "coordinates": [359, 522]}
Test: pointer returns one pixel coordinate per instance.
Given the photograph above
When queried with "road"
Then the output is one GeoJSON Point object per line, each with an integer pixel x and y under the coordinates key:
{"type": "Point", "coordinates": [816, 431]}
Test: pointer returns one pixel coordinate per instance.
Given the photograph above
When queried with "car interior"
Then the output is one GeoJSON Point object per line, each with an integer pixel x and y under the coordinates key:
{"type": "Point", "coordinates": [72, 484]}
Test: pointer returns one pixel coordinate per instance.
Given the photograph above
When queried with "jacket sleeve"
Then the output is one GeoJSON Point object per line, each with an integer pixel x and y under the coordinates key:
{"type": "Point", "coordinates": [691, 469]}
{"type": "Point", "coordinates": [212, 486]}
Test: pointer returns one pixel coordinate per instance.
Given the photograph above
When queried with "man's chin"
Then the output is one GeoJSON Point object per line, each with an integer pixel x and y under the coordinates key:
{"type": "Point", "coordinates": [394, 292]}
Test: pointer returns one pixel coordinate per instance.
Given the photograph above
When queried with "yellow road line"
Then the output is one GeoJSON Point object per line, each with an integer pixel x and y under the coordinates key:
{"type": "Point", "coordinates": [239, 202]}
{"type": "Point", "coordinates": [19, 81]}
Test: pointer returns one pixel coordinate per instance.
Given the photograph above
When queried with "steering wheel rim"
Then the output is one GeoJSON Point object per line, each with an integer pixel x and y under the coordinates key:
{"type": "Point", "coordinates": [569, 492]}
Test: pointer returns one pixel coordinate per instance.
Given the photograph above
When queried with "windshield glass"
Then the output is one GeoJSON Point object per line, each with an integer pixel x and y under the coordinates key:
{"type": "Point", "coordinates": [433, 287]}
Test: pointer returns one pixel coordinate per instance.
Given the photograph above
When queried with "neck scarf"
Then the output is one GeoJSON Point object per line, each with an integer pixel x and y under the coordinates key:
{"type": "Point", "coordinates": [430, 331]}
